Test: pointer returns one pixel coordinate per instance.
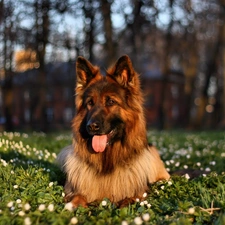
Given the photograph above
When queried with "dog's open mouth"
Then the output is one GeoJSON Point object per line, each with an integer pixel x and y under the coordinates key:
{"type": "Point", "coordinates": [99, 142]}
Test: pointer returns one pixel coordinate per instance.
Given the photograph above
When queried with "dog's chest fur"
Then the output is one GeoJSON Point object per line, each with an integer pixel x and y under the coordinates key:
{"type": "Point", "coordinates": [123, 182]}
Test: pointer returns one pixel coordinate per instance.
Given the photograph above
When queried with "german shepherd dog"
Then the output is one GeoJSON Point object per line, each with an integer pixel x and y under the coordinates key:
{"type": "Point", "coordinates": [110, 156]}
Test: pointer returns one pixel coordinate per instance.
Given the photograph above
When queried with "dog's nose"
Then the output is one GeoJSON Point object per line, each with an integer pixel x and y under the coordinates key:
{"type": "Point", "coordinates": [93, 126]}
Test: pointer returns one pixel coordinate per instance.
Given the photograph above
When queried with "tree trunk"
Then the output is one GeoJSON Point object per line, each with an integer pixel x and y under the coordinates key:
{"type": "Point", "coordinates": [108, 30]}
{"type": "Point", "coordinates": [42, 32]}
{"type": "Point", "coordinates": [162, 112]}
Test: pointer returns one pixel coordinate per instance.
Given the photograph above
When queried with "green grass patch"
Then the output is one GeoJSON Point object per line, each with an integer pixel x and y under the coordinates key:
{"type": "Point", "coordinates": [31, 185]}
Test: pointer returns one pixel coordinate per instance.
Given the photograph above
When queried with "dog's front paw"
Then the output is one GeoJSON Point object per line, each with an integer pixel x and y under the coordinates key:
{"type": "Point", "coordinates": [79, 200]}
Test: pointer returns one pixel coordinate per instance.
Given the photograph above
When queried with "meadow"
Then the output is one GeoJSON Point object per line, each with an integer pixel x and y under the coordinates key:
{"type": "Point", "coordinates": [31, 184]}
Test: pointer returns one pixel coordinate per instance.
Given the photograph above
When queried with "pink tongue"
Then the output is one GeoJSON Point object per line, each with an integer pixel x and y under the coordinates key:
{"type": "Point", "coordinates": [99, 142]}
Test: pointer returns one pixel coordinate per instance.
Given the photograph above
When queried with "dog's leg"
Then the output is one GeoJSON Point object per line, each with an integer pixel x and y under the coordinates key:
{"type": "Point", "coordinates": [79, 200]}
{"type": "Point", "coordinates": [127, 201]}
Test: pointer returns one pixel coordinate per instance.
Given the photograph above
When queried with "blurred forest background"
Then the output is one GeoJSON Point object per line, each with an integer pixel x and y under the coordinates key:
{"type": "Point", "coordinates": [177, 46]}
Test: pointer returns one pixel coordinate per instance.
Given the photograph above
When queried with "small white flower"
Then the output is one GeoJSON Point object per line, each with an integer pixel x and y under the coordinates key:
{"type": "Point", "coordinates": [50, 184]}
{"type": "Point", "coordinates": [18, 201]}
{"type": "Point", "coordinates": [51, 207]}
{"type": "Point", "coordinates": [0, 211]}
{"type": "Point", "coordinates": [198, 164]}
{"type": "Point", "coordinates": [21, 213]}
{"type": "Point", "coordinates": [69, 206]}
{"type": "Point", "coordinates": [74, 220]}
{"type": "Point", "coordinates": [41, 207]}
{"type": "Point", "coordinates": [142, 204]}
{"type": "Point", "coordinates": [207, 169]}
{"type": "Point", "coordinates": [124, 222]}
{"type": "Point", "coordinates": [138, 220]}
{"type": "Point", "coordinates": [27, 207]}
{"type": "Point", "coordinates": [185, 166]}
{"type": "Point", "coordinates": [213, 163]}
{"type": "Point", "coordinates": [187, 176]}
{"type": "Point", "coordinates": [63, 194]}
{"type": "Point", "coordinates": [167, 163]}
{"type": "Point", "coordinates": [15, 186]}
{"type": "Point", "coordinates": [145, 202]}
{"type": "Point", "coordinates": [10, 204]}
{"type": "Point", "coordinates": [104, 203]}
{"type": "Point", "coordinates": [169, 183]}
{"type": "Point", "coordinates": [146, 217]}
{"type": "Point", "coordinates": [149, 205]}
{"type": "Point", "coordinates": [27, 221]}
{"type": "Point", "coordinates": [191, 210]}
{"type": "Point", "coordinates": [137, 200]}
{"type": "Point", "coordinates": [162, 187]}
{"type": "Point", "coordinates": [12, 172]}
{"type": "Point", "coordinates": [145, 195]}
{"type": "Point", "coordinates": [177, 164]}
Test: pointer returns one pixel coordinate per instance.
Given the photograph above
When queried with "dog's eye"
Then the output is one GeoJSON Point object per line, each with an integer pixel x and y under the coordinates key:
{"type": "Point", "coordinates": [90, 103]}
{"type": "Point", "coordinates": [110, 102]}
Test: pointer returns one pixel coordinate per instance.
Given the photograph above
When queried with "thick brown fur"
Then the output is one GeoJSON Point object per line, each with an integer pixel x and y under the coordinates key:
{"type": "Point", "coordinates": [109, 105]}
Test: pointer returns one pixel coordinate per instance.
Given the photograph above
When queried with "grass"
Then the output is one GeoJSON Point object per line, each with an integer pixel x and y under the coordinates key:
{"type": "Point", "coordinates": [31, 185]}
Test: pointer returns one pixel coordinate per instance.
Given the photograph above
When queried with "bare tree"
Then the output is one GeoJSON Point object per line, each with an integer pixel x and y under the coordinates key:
{"type": "Point", "coordinates": [8, 27]}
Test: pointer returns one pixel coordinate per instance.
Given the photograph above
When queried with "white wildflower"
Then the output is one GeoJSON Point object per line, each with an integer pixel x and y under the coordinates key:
{"type": "Point", "coordinates": [191, 210]}
{"type": "Point", "coordinates": [142, 204]}
{"type": "Point", "coordinates": [50, 184]}
{"type": "Point", "coordinates": [74, 220]}
{"type": "Point", "coordinates": [137, 200]}
{"type": "Point", "coordinates": [145, 202]}
{"type": "Point", "coordinates": [10, 204]}
{"type": "Point", "coordinates": [104, 203]}
{"type": "Point", "coordinates": [27, 207]}
{"type": "Point", "coordinates": [69, 206]}
{"type": "Point", "coordinates": [146, 217]}
{"type": "Point", "coordinates": [41, 207]}
{"type": "Point", "coordinates": [149, 205]}
{"type": "Point", "coordinates": [21, 213]}
{"type": "Point", "coordinates": [18, 201]}
{"type": "Point", "coordinates": [187, 176]}
{"type": "Point", "coordinates": [27, 221]}
{"type": "Point", "coordinates": [162, 187]}
{"type": "Point", "coordinates": [15, 186]}
{"type": "Point", "coordinates": [169, 183]}
{"type": "Point", "coordinates": [185, 166]}
{"type": "Point", "coordinates": [198, 164]}
{"type": "Point", "coordinates": [145, 195]}
{"type": "Point", "coordinates": [138, 220]}
{"type": "Point", "coordinates": [124, 222]}
{"type": "Point", "coordinates": [51, 207]}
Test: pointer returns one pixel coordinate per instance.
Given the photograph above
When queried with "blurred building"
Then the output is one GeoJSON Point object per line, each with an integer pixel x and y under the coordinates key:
{"type": "Point", "coordinates": [60, 78]}
{"type": "Point", "coordinates": [60, 96]}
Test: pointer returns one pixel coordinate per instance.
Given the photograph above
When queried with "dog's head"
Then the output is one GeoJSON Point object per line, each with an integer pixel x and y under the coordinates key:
{"type": "Point", "coordinates": [108, 107]}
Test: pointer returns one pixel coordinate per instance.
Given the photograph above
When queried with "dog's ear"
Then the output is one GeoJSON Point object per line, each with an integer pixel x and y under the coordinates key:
{"type": "Point", "coordinates": [85, 72]}
{"type": "Point", "coordinates": [123, 72]}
